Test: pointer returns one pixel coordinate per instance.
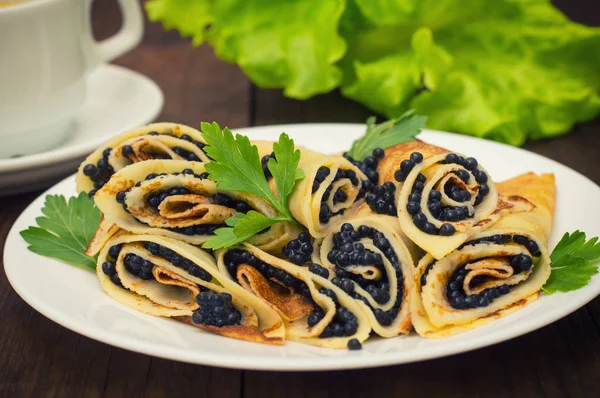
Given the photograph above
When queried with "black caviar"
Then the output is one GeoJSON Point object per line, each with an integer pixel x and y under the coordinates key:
{"type": "Point", "coordinates": [354, 344]}
{"type": "Point", "coordinates": [100, 172]}
{"type": "Point", "coordinates": [382, 200]}
{"type": "Point", "coordinates": [109, 267]}
{"type": "Point", "coordinates": [235, 257]}
{"type": "Point", "coordinates": [299, 250]}
{"type": "Point", "coordinates": [349, 251]}
{"type": "Point", "coordinates": [369, 165]}
{"type": "Point", "coordinates": [216, 309]}
{"type": "Point", "coordinates": [460, 300]}
{"type": "Point", "coordinates": [138, 266]}
{"type": "Point", "coordinates": [501, 239]}
{"type": "Point", "coordinates": [264, 162]}
{"type": "Point", "coordinates": [451, 189]}
{"type": "Point", "coordinates": [325, 212]}
{"type": "Point", "coordinates": [177, 260]}
{"type": "Point", "coordinates": [344, 323]}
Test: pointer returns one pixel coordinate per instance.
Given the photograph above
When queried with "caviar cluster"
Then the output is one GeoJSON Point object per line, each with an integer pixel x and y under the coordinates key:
{"type": "Point", "coordinates": [451, 189]}
{"type": "Point", "coordinates": [426, 272]}
{"type": "Point", "coordinates": [319, 270]}
{"type": "Point", "coordinates": [322, 173]}
{"type": "Point", "coordinates": [407, 165]}
{"type": "Point", "coordinates": [100, 172]}
{"type": "Point", "coordinates": [299, 250]}
{"type": "Point", "coordinates": [138, 266]}
{"type": "Point", "coordinates": [215, 309]}
{"type": "Point", "coordinates": [236, 257]}
{"type": "Point", "coordinates": [383, 199]}
{"type": "Point", "coordinates": [369, 166]}
{"type": "Point", "coordinates": [413, 207]}
{"type": "Point", "coordinates": [458, 298]}
{"type": "Point", "coordinates": [264, 162]}
{"type": "Point", "coordinates": [347, 251]}
{"type": "Point", "coordinates": [501, 239]}
{"type": "Point", "coordinates": [455, 289]}
{"type": "Point", "coordinates": [177, 260]}
{"type": "Point", "coordinates": [154, 199]}
{"type": "Point", "coordinates": [470, 164]}
{"type": "Point", "coordinates": [344, 323]}
{"type": "Point", "coordinates": [325, 212]}
{"type": "Point", "coordinates": [108, 267]}
{"type": "Point", "coordinates": [128, 152]}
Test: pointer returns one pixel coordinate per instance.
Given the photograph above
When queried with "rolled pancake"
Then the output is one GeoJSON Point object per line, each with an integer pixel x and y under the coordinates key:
{"type": "Point", "coordinates": [314, 310]}
{"type": "Point", "coordinates": [502, 268]}
{"type": "Point", "coordinates": [154, 141]}
{"type": "Point", "coordinates": [174, 198]}
{"type": "Point", "coordinates": [331, 188]}
{"type": "Point", "coordinates": [444, 199]}
{"type": "Point", "coordinates": [367, 257]}
{"type": "Point", "coordinates": [163, 277]}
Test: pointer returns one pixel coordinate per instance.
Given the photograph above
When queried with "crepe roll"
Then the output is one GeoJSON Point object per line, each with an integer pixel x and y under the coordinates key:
{"type": "Point", "coordinates": [441, 198]}
{"type": "Point", "coordinates": [367, 258]}
{"type": "Point", "coordinates": [495, 272]}
{"type": "Point", "coordinates": [175, 198]}
{"type": "Point", "coordinates": [164, 277]}
{"type": "Point", "coordinates": [314, 310]}
{"type": "Point", "coordinates": [154, 141]}
{"type": "Point", "coordinates": [330, 190]}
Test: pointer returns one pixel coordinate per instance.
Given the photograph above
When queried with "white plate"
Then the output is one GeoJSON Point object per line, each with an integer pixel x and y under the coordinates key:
{"type": "Point", "coordinates": [73, 298]}
{"type": "Point", "coordinates": [118, 99]}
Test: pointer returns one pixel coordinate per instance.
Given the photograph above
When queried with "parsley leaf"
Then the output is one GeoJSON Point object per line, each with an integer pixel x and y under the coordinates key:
{"type": "Point", "coordinates": [389, 133]}
{"type": "Point", "coordinates": [284, 169]}
{"type": "Point", "coordinates": [571, 263]}
{"type": "Point", "coordinates": [244, 226]}
{"type": "Point", "coordinates": [65, 229]}
{"type": "Point", "coordinates": [575, 243]}
{"type": "Point", "coordinates": [236, 166]}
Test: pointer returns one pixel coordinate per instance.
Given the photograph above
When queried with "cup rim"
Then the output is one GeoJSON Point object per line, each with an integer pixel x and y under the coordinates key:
{"type": "Point", "coordinates": [24, 5]}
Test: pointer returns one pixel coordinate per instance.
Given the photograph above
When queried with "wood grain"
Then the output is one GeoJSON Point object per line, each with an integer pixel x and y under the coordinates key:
{"type": "Point", "coordinates": [40, 358]}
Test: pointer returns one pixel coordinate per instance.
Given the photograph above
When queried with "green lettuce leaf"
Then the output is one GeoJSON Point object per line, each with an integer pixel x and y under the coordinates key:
{"type": "Point", "coordinates": [189, 17]}
{"type": "Point", "coordinates": [504, 70]}
{"type": "Point", "coordinates": [292, 44]}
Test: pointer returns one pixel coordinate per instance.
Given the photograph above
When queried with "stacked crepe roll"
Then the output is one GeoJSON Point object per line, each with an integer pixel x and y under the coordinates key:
{"type": "Point", "coordinates": [166, 277]}
{"type": "Point", "coordinates": [493, 273]}
{"type": "Point", "coordinates": [174, 198]}
{"type": "Point", "coordinates": [314, 310]}
{"type": "Point", "coordinates": [454, 250]}
{"type": "Point", "coordinates": [442, 198]}
{"type": "Point", "coordinates": [154, 141]}
{"type": "Point", "coordinates": [329, 192]}
{"type": "Point", "coordinates": [368, 258]}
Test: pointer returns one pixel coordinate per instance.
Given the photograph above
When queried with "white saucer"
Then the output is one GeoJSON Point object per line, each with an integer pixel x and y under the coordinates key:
{"type": "Point", "coordinates": [118, 99]}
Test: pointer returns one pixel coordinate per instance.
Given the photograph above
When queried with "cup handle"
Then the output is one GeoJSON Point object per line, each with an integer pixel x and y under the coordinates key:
{"type": "Point", "coordinates": [125, 39]}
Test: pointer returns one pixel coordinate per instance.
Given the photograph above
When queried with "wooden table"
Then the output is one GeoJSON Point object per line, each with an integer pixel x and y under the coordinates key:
{"type": "Point", "coordinates": [40, 358]}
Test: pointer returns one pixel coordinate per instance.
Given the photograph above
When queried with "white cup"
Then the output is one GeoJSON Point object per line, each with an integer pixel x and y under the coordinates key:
{"type": "Point", "coordinates": [46, 50]}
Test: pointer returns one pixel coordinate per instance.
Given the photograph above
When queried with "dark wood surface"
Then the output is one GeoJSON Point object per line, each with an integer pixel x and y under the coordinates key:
{"type": "Point", "coordinates": [40, 358]}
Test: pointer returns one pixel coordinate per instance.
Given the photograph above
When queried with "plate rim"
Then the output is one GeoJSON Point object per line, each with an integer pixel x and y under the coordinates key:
{"type": "Point", "coordinates": [66, 153]}
{"type": "Point", "coordinates": [299, 363]}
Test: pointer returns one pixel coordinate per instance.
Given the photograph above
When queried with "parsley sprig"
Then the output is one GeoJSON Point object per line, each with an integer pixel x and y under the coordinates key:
{"type": "Point", "coordinates": [236, 167]}
{"type": "Point", "coordinates": [65, 229]}
{"type": "Point", "coordinates": [387, 134]}
{"type": "Point", "coordinates": [572, 263]}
